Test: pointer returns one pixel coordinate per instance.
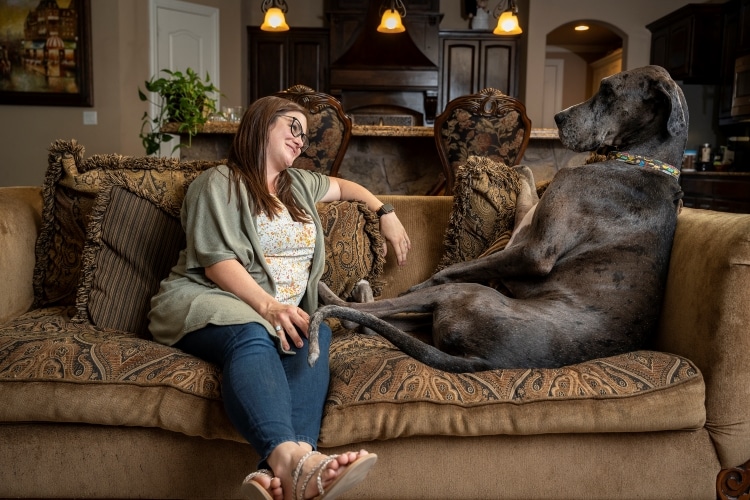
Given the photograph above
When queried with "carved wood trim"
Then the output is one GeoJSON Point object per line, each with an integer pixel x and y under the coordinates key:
{"type": "Point", "coordinates": [734, 483]}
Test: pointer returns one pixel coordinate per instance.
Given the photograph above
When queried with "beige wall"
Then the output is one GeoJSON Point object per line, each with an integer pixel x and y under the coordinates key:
{"type": "Point", "coordinates": [121, 63]}
{"type": "Point", "coordinates": [630, 17]}
{"type": "Point", "coordinates": [120, 41]}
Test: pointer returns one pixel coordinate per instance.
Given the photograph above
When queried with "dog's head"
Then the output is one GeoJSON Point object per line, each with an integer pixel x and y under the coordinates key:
{"type": "Point", "coordinates": [642, 110]}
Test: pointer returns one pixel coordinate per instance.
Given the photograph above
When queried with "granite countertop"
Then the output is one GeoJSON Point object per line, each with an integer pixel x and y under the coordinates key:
{"type": "Point", "coordinates": [357, 130]}
{"type": "Point", "coordinates": [207, 128]}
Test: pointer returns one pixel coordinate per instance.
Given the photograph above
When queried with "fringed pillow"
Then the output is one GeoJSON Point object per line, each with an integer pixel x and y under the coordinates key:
{"type": "Point", "coordinates": [484, 207]}
{"type": "Point", "coordinates": [70, 188]}
{"type": "Point", "coordinates": [133, 239]}
{"type": "Point", "coordinates": [353, 247]}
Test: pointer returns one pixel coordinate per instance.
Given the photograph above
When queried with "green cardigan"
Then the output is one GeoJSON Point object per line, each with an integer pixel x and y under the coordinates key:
{"type": "Point", "coordinates": [217, 229]}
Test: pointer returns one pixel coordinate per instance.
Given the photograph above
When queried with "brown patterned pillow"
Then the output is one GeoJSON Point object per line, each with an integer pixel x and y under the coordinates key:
{"type": "Point", "coordinates": [484, 207]}
{"type": "Point", "coordinates": [69, 191]}
{"type": "Point", "coordinates": [353, 246]}
{"type": "Point", "coordinates": [131, 246]}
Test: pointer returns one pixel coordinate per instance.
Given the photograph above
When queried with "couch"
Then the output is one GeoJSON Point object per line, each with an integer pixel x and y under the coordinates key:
{"type": "Point", "coordinates": [92, 408]}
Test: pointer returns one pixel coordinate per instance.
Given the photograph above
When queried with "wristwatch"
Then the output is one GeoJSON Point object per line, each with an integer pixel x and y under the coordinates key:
{"type": "Point", "coordinates": [385, 209]}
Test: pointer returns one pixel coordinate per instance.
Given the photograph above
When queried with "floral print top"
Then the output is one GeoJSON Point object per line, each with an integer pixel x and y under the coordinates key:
{"type": "Point", "coordinates": [288, 250]}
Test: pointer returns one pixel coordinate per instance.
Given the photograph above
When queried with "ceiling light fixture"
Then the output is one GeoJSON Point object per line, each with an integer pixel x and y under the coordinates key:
{"type": "Point", "coordinates": [507, 18]}
{"type": "Point", "coordinates": [274, 20]}
{"type": "Point", "coordinates": [390, 21]}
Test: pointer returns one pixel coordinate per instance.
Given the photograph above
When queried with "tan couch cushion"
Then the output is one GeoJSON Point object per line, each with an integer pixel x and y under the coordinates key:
{"type": "Point", "coordinates": [54, 370]}
{"type": "Point", "coordinates": [377, 392]}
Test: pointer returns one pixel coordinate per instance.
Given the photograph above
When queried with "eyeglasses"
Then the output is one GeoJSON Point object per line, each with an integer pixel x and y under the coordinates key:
{"type": "Point", "coordinates": [296, 128]}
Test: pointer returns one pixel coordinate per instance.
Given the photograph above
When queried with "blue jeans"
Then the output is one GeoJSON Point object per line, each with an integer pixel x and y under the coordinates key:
{"type": "Point", "coordinates": [270, 397]}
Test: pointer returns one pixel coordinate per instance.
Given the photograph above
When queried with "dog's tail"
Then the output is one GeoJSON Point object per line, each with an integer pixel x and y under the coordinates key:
{"type": "Point", "coordinates": [426, 353]}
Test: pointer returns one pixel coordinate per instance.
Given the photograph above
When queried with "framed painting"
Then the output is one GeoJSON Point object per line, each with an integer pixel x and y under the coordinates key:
{"type": "Point", "coordinates": [45, 53]}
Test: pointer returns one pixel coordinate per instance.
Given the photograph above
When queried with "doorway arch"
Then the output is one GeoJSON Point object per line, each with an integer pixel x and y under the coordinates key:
{"type": "Point", "coordinates": [584, 57]}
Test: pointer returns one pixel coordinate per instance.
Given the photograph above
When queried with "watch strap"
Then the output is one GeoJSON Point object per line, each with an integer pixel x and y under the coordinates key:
{"type": "Point", "coordinates": [385, 209]}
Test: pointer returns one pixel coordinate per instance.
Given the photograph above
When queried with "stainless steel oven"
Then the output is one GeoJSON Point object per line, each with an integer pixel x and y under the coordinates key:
{"type": "Point", "coordinates": [741, 89]}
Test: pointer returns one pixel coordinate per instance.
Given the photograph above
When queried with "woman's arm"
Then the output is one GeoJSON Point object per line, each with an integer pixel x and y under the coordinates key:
{"type": "Point", "coordinates": [390, 226]}
{"type": "Point", "coordinates": [231, 276]}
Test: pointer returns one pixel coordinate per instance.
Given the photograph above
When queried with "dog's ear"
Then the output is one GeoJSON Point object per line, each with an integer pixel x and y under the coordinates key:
{"type": "Point", "coordinates": [677, 123]}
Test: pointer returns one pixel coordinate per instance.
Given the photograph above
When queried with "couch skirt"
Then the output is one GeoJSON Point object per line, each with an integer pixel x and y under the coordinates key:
{"type": "Point", "coordinates": [77, 460]}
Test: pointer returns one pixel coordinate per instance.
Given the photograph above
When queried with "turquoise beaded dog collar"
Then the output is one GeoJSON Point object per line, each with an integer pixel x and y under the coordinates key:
{"type": "Point", "coordinates": [644, 162]}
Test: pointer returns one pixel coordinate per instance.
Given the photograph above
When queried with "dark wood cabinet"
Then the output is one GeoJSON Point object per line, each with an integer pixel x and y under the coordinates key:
{"type": "Point", "coordinates": [470, 62]}
{"type": "Point", "coordinates": [687, 41]}
{"type": "Point", "coordinates": [277, 61]}
{"type": "Point", "coordinates": [722, 191]}
{"type": "Point", "coordinates": [743, 47]}
{"type": "Point", "coordinates": [729, 50]}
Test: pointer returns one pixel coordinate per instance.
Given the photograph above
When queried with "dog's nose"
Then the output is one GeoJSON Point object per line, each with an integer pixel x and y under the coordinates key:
{"type": "Point", "coordinates": [559, 118]}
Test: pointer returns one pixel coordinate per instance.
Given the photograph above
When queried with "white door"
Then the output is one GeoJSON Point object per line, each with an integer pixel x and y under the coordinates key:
{"type": "Point", "coordinates": [553, 87]}
{"type": "Point", "coordinates": [184, 35]}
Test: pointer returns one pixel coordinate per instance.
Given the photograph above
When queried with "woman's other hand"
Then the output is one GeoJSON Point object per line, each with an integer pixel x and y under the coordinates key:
{"type": "Point", "coordinates": [394, 232]}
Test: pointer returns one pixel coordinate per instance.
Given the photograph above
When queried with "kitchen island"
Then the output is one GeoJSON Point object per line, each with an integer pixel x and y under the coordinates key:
{"type": "Point", "coordinates": [389, 159]}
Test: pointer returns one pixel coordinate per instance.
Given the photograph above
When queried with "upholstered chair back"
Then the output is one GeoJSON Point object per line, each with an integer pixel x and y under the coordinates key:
{"type": "Point", "coordinates": [329, 130]}
{"type": "Point", "coordinates": [488, 123]}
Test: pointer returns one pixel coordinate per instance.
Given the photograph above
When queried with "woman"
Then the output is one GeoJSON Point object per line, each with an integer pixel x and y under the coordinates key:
{"type": "Point", "coordinates": [243, 290]}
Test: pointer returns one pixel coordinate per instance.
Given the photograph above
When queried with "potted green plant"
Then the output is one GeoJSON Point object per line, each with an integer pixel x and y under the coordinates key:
{"type": "Point", "coordinates": [183, 98]}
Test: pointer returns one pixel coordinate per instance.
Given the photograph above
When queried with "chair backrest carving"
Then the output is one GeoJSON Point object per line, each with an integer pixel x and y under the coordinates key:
{"type": "Point", "coordinates": [488, 123]}
{"type": "Point", "coordinates": [329, 130]}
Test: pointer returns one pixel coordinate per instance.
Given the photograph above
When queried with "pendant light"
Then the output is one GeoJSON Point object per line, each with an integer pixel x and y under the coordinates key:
{"type": "Point", "coordinates": [274, 19]}
{"type": "Point", "coordinates": [507, 22]}
{"type": "Point", "coordinates": [391, 13]}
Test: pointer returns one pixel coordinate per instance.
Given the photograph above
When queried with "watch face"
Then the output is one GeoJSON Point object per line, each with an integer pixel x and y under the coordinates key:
{"type": "Point", "coordinates": [385, 209]}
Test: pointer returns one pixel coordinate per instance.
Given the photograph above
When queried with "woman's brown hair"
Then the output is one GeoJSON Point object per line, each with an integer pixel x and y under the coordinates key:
{"type": "Point", "coordinates": [247, 157]}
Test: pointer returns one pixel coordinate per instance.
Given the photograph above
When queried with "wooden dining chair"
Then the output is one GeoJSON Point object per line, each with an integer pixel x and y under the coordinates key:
{"type": "Point", "coordinates": [329, 130]}
{"type": "Point", "coordinates": [488, 123]}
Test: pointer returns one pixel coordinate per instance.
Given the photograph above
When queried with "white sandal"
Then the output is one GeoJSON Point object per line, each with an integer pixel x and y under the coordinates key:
{"type": "Point", "coordinates": [351, 476]}
{"type": "Point", "coordinates": [252, 489]}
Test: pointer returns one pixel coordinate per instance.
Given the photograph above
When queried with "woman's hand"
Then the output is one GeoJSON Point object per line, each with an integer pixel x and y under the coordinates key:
{"type": "Point", "coordinates": [288, 321]}
{"type": "Point", "coordinates": [394, 232]}
{"type": "Point", "coordinates": [229, 275]}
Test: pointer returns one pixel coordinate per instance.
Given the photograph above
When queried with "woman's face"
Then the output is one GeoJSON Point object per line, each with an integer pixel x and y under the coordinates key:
{"type": "Point", "coordinates": [283, 147]}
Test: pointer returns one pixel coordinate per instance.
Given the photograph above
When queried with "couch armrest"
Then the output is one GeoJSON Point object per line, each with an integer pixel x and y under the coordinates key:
{"type": "Point", "coordinates": [20, 221]}
{"type": "Point", "coordinates": [706, 318]}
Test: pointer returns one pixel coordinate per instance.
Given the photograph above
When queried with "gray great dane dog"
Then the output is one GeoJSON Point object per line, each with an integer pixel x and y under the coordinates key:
{"type": "Point", "coordinates": [585, 271]}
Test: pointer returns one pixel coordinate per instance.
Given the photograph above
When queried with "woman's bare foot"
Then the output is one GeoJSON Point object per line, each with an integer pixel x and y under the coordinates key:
{"type": "Point", "coordinates": [288, 457]}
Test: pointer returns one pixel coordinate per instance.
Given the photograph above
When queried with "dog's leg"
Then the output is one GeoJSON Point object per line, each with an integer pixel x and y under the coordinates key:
{"type": "Point", "coordinates": [362, 293]}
